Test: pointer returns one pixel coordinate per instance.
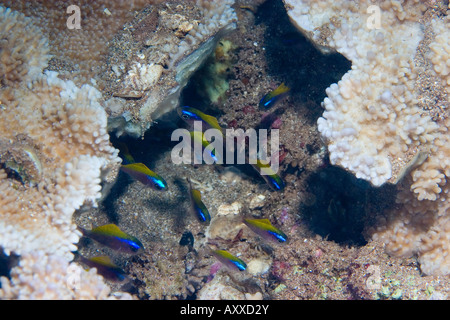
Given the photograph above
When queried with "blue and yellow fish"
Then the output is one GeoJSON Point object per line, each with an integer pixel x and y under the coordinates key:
{"type": "Point", "coordinates": [140, 172]}
{"type": "Point", "coordinates": [197, 204]}
{"type": "Point", "coordinates": [111, 236]}
{"type": "Point", "coordinates": [189, 115]}
{"type": "Point", "coordinates": [265, 229]}
{"type": "Point", "coordinates": [105, 267]}
{"type": "Point", "coordinates": [198, 137]}
{"type": "Point", "coordinates": [272, 178]}
{"type": "Point", "coordinates": [270, 99]}
{"type": "Point", "coordinates": [229, 260]}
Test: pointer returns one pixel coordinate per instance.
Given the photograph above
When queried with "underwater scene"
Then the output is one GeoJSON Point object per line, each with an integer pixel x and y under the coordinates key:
{"type": "Point", "coordinates": [225, 150]}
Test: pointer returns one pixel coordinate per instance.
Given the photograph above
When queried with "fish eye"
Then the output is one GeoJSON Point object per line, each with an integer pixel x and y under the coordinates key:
{"type": "Point", "coordinates": [185, 116]}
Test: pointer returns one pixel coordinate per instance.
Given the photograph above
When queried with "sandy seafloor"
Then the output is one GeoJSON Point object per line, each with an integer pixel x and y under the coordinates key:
{"type": "Point", "coordinates": [327, 256]}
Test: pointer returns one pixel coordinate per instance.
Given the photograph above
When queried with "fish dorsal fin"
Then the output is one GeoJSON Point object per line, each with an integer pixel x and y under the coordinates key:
{"type": "Point", "coordinates": [138, 167]}
{"type": "Point", "coordinates": [212, 121]}
{"type": "Point", "coordinates": [196, 194]}
{"type": "Point", "coordinates": [142, 168]}
{"type": "Point", "coordinates": [199, 137]}
{"type": "Point", "coordinates": [103, 260]}
{"type": "Point", "coordinates": [283, 88]}
{"type": "Point", "coordinates": [259, 221]}
{"type": "Point", "coordinates": [110, 229]}
{"type": "Point", "coordinates": [265, 221]}
{"type": "Point", "coordinates": [224, 254]}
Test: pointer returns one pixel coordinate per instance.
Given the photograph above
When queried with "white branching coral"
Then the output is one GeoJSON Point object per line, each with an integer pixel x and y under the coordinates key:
{"type": "Point", "coordinates": [375, 122]}
{"type": "Point", "coordinates": [40, 276]}
{"type": "Point", "coordinates": [372, 123]}
{"type": "Point", "coordinates": [54, 155]}
{"type": "Point", "coordinates": [17, 46]}
{"type": "Point", "coordinates": [65, 127]}
{"type": "Point", "coordinates": [419, 227]}
{"type": "Point", "coordinates": [440, 50]}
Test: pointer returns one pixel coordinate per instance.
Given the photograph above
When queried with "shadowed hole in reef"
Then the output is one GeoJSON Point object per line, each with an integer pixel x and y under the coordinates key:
{"type": "Point", "coordinates": [7, 263]}
{"type": "Point", "coordinates": [156, 142]}
{"type": "Point", "coordinates": [293, 59]}
{"type": "Point", "coordinates": [343, 205]}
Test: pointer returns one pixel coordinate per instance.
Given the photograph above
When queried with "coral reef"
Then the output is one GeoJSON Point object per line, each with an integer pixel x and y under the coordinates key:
{"type": "Point", "coordinates": [78, 53]}
{"type": "Point", "coordinates": [37, 119]}
{"type": "Point", "coordinates": [377, 123]}
{"type": "Point", "coordinates": [440, 51]}
{"type": "Point", "coordinates": [162, 221]}
{"type": "Point", "coordinates": [379, 90]}
{"type": "Point", "coordinates": [419, 228]}
{"type": "Point", "coordinates": [50, 277]}
{"type": "Point", "coordinates": [151, 60]}
{"type": "Point", "coordinates": [55, 153]}
{"type": "Point", "coordinates": [18, 59]}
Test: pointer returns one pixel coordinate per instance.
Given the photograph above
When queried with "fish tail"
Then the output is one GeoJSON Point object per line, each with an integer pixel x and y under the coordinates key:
{"type": "Point", "coordinates": [128, 158]}
{"type": "Point", "coordinates": [76, 256]}
{"type": "Point", "coordinates": [83, 231]}
{"type": "Point", "coordinates": [79, 258]}
{"type": "Point", "coordinates": [284, 87]}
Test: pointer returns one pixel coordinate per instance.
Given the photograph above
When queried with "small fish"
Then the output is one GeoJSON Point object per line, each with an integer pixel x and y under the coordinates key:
{"type": "Point", "coordinates": [270, 99]}
{"type": "Point", "coordinates": [140, 172]}
{"type": "Point", "coordinates": [105, 267]}
{"type": "Point", "coordinates": [265, 229]}
{"type": "Point", "coordinates": [189, 115]}
{"type": "Point", "coordinates": [199, 138]}
{"type": "Point", "coordinates": [198, 206]}
{"type": "Point", "coordinates": [111, 236]}
{"type": "Point", "coordinates": [229, 260]}
{"type": "Point", "coordinates": [272, 178]}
